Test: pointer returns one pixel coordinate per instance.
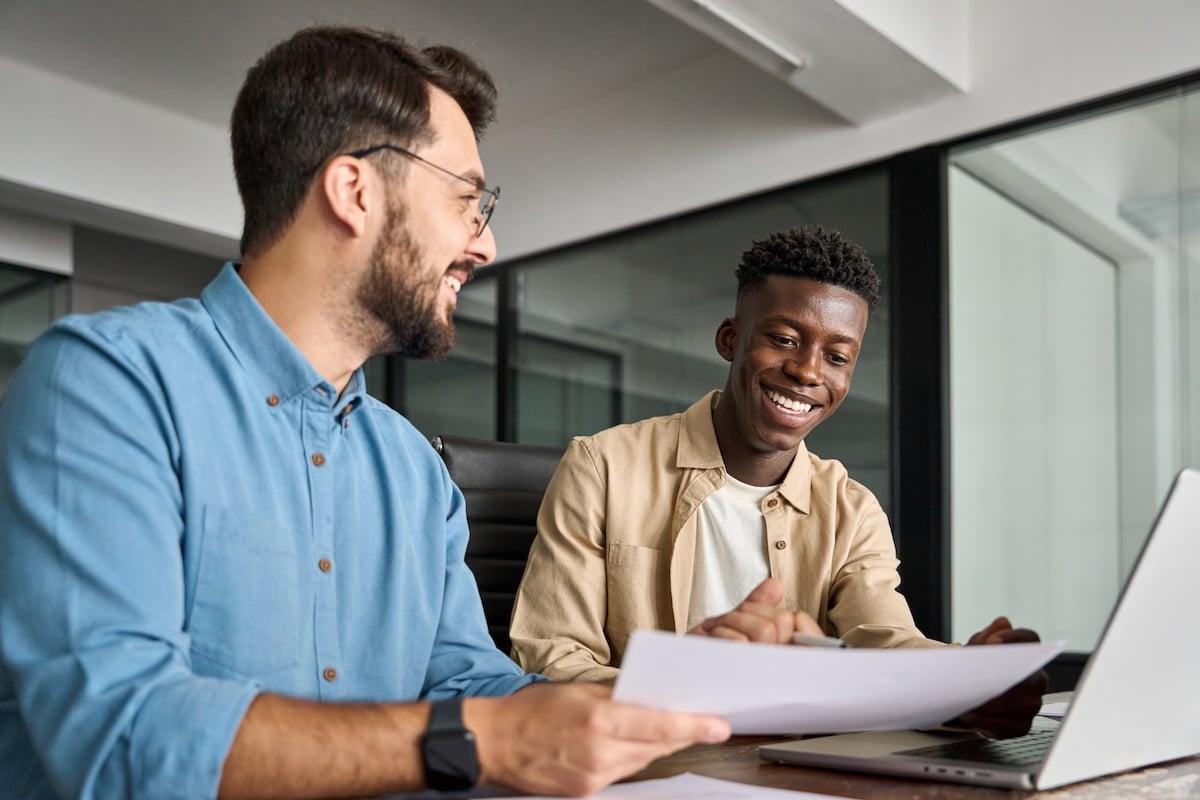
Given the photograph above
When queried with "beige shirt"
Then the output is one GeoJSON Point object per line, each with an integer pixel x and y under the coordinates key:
{"type": "Point", "coordinates": [617, 535]}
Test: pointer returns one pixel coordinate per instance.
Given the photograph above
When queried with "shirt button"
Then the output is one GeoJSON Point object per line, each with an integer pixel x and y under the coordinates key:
{"type": "Point", "coordinates": [324, 565]}
{"type": "Point", "coordinates": [318, 459]}
{"type": "Point", "coordinates": [330, 674]}
{"type": "Point", "coordinates": [781, 545]}
{"type": "Point", "coordinates": [774, 501]}
{"type": "Point", "coordinates": [273, 400]}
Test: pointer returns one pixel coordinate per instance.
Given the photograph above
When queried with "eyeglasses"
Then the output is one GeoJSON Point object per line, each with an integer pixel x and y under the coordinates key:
{"type": "Point", "coordinates": [487, 197]}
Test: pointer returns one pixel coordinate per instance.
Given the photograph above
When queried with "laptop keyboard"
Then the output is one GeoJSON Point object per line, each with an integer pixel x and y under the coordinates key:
{"type": "Point", "coordinates": [1022, 751]}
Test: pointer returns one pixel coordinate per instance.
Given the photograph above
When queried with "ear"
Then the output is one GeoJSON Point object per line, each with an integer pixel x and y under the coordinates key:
{"type": "Point", "coordinates": [346, 186]}
{"type": "Point", "coordinates": [726, 338]}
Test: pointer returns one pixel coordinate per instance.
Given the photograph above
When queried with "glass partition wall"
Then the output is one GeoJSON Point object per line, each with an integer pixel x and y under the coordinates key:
{"type": "Point", "coordinates": [458, 394]}
{"type": "Point", "coordinates": [1074, 273]}
{"type": "Point", "coordinates": [622, 328]}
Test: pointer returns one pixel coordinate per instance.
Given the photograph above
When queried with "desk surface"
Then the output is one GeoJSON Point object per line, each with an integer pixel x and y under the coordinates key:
{"type": "Point", "coordinates": [737, 760]}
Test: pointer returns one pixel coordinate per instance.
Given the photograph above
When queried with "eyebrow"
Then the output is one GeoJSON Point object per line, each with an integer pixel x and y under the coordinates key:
{"type": "Point", "coordinates": [838, 338]}
{"type": "Point", "coordinates": [474, 177]}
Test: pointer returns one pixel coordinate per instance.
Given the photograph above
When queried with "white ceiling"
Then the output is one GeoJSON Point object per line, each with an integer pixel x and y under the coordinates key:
{"type": "Point", "coordinates": [190, 57]}
{"type": "Point", "coordinates": [612, 112]}
{"type": "Point", "coordinates": [547, 55]}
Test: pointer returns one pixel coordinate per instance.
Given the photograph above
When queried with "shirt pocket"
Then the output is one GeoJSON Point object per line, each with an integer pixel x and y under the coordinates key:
{"type": "Point", "coordinates": [639, 593]}
{"type": "Point", "coordinates": [636, 573]}
{"type": "Point", "coordinates": [634, 557]}
{"type": "Point", "coordinates": [245, 611]}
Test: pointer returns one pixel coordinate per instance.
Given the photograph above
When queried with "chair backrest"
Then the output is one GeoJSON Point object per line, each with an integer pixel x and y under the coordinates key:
{"type": "Point", "coordinates": [503, 484]}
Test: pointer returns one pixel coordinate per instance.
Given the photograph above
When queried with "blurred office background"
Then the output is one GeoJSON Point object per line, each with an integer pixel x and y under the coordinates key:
{"type": "Point", "coordinates": [1025, 175]}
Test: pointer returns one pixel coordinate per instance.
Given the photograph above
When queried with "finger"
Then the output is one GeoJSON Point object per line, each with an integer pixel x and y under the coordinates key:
{"type": "Point", "coordinates": [625, 757]}
{"type": "Point", "coordinates": [769, 592]}
{"type": "Point", "coordinates": [728, 632]}
{"type": "Point", "coordinates": [1012, 713]}
{"type": "Point", "coordinates": [997, 726]}
{"type": "Point", "coordinates": [644, 735]}
{"type": "Point", "coordinates": [757, 624]}
{"type": "Point", "coordinates": [705, 627]}
{"type": "Point", "coordinates": [997, 625]}
{"type": "Point", "coordinates": [803, 623]}
{"type": "Point", "coordinates": [639, 724]}
{"type": "Point", "coordinates": [1014, 635]}
{"type": "Point", "coordinates": [1022, 710]}
{"type": "Point", "coordinates": [784, 622]}
{"type": "Point", "coordinates": [591, 768]}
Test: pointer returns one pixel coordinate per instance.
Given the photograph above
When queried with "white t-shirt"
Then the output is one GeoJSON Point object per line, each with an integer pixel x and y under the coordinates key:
{"type": "Point", "coordinates": [731, 549]}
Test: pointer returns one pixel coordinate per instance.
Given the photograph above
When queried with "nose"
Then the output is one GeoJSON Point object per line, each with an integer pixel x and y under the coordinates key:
{"type": "Point", "coordinates": [482, 248]}
{"type": "Point", "coordinates": [804, 366]}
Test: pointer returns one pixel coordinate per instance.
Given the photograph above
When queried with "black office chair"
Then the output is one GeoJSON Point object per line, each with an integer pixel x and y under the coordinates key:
{"type": "Point", "coordinates": [503, 484]}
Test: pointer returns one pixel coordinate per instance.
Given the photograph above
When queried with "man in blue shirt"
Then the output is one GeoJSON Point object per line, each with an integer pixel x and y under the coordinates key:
{"type": "Point", "coordinates": [225, 569]}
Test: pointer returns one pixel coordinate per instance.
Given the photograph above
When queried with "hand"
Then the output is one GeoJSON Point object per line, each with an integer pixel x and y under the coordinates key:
{"type": "Point", "coordinates": [1010, 714]}
{"type": "Point", "coordinates": [574, 739]}
{"type": "Point", "coordinates": [758, 618]}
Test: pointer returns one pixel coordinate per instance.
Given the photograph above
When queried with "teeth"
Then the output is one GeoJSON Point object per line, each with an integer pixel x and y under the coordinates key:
{"type": "Point", "coordinates": [787, 402]}
{"type": "Point", "coordinates": [454, 283]}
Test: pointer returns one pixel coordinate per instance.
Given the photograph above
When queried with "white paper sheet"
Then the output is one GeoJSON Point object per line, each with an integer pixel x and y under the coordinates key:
{"type": "Point", "coordinates": [790, 689]}
{"type": "Point", "coordinates": [695, 787]}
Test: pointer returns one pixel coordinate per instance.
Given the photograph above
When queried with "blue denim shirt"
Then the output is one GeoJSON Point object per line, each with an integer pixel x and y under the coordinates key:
{"type": "Point", "coordinates": [190, 515]}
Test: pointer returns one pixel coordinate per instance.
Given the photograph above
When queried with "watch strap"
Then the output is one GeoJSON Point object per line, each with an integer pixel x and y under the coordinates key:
{"type": "Point", "coordinates": [445, 715]}
{"type": "Point", "coordinates": [448, 749]}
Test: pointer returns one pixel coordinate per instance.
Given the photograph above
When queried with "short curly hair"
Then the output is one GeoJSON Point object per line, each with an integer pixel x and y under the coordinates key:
{"type": "Point", "coordinates": [810, 252]}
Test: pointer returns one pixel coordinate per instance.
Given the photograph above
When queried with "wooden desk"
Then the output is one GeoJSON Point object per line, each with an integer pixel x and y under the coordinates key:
{"type": "Point", "coordinates": [737, 760]}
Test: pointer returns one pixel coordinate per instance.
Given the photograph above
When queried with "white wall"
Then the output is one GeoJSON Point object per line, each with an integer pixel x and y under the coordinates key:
{"type": "Point", "coordinates": [35, 242]}
{"type": "Point", "coordinates": [710, 129]}
{"type": "Point", "coordinates": [80, 154]}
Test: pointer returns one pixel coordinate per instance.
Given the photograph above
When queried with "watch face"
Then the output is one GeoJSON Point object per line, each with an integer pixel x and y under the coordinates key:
{"type": "Point", "coordinates": [450, 759]}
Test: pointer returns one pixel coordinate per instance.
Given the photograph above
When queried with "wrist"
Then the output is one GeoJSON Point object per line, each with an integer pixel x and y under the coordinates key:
{"type": "Point", "coordinates": [478, 713]}
{"type": "Point", "coordinates": [449, 754]}
{"type": "Point", "coordinates": [485, 717]}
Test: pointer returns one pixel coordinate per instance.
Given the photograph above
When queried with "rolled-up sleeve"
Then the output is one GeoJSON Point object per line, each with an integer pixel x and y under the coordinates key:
{"type": "Point", "coordinates": [93, 645]}
{"type": "Point", "coordinates": [561, 607]}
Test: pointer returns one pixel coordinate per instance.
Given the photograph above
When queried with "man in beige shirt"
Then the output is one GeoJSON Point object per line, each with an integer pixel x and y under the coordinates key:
{"type": "Point", "coordinates": [658, 524]}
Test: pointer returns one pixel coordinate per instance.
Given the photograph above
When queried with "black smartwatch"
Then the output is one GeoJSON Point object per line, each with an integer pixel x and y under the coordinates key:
{"type": "Point", "coordinates": [448, 749]}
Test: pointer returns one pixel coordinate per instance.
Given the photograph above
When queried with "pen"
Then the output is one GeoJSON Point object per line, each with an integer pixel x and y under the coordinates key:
{"type": "Point", "coordinates": [812, 640]}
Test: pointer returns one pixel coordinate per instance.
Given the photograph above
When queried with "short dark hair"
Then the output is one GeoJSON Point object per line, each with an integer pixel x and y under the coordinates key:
{"type": "Point", "coordinates": [810, 252]}
{"type": "Point", "coordinates": [330, 90]}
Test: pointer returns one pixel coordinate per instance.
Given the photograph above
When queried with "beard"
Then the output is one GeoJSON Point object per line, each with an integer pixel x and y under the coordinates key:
{"type": "Point", "coordinates": [401, 304]}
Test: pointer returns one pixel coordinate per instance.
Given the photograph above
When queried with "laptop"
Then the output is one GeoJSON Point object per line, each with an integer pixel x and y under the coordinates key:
{"type": "Point", "coordinates": [1137, 702]}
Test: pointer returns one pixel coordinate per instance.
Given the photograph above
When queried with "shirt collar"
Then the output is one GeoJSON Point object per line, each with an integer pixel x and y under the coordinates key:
{"type": "Point", "coordinates": [698, 449]}
{"type": "Point", "coordinates": [261, 347]}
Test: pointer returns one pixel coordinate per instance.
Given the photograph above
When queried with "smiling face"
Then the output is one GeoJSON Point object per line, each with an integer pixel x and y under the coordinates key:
{"type": "Point", "coordinates": [792, 348]}
{"type": "Point", "coordinates": [427, 246]}
{"type": "Point", "coordinates": [404, 303]}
